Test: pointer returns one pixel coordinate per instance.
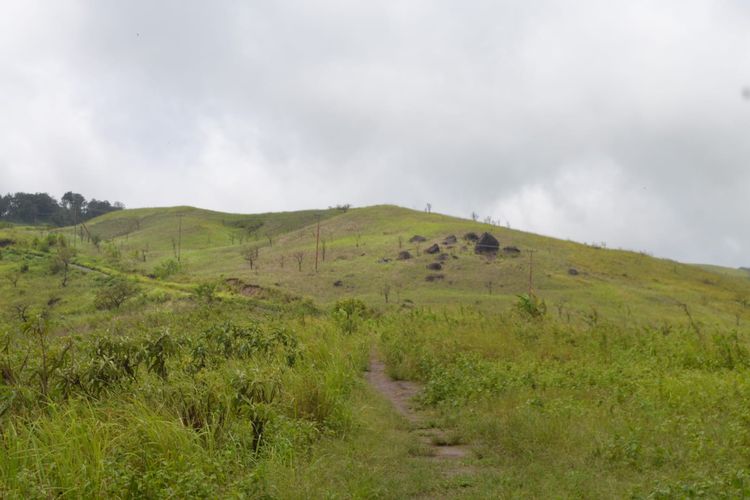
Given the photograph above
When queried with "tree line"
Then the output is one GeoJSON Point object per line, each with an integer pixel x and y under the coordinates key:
{"type": "Point", "coordinates": [41, 208]}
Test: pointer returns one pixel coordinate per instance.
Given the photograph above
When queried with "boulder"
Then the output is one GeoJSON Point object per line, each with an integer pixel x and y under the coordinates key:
{"type": "Point", "coordinates": [511, 250]}
{"type": "Point", "coordinates": [338, 283]}
{"type": "Point", "coordinates": [573, 271]}
{"type": "Point", "coordinates": [417, 239]}
{"type": "Point", "coordinates": [404, 255]}
{"type": "Point", "coordinates": [487, 244]}
{"type": "Point", "coordinates": [433, 249]}
{"type": "Point", "coordinates": [434, 266]}
{"type": "Point", "coordinates": [471, 236]}
{"type": "Point", "coordinates": [443, 256]}
{"type": "Point", "coordinates": [434, 277]}
{"type": "Point", "coordinates": [450, 240]}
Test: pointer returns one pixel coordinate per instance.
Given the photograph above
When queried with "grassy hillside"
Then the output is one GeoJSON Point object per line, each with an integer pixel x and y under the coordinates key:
{"type": "Point", "coordinates": [359, 249]}
{"type": "Point", "coordinates": [124, 373]}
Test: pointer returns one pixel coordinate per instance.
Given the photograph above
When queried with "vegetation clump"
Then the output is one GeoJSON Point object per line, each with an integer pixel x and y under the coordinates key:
{"type": "Point", "coordinates": [114, 293]}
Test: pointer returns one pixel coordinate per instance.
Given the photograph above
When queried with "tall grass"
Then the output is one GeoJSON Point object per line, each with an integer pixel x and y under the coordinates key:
{"type": "Point", "coordinates": [604, 410]}
{"type": "Point", "coordinates": [174, 406]}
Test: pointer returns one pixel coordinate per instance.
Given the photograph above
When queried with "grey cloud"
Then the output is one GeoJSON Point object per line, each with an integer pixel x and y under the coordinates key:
{"type": "Point", "coordinates": [526, 111]}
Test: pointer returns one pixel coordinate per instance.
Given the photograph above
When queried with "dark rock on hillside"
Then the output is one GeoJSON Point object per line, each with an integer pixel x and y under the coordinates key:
{"type": "Point", "coordinates": [434, 266]}
{"type": "Point", "coordinates": [450, 240]}
{"type": "Point", "coordinates": [573, 271]}
{"type": "Point", "coordinates": [443, 256]}
{"type": "Point", "coordinates": [511, 250]}
{"type": "Point", "coordinates": [384, 260]}
{"type": "Point", "coordinates": [417, 239]}
{"type": "Point", "coordinates": [6, 242]}
{"type": "Point", "coordinates": [471, 236]}
{"type": "Point", "coordinates": [434, 277]}
{"type": "Point", "coordinates": [433, 249]}
{"type": "Point", "coordinates": [404, 255]}
{"type": "Point", "coordinates": [338, 283]}
{"type": "Point", "coordinates": [487, 244]}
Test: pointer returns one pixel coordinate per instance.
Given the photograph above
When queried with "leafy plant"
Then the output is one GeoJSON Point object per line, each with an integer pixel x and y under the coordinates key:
{"type": "Point", "coordinates": [531, 306]}
{"type": "Point", "coordinates": [114, 293]}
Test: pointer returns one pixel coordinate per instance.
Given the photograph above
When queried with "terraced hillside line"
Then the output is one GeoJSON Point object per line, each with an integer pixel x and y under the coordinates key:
{"type": "Point", "coordinates": [401, 394]}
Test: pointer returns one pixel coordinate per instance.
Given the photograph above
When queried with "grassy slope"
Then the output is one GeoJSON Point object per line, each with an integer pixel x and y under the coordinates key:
{"type": "Point", "coordinates": [597, 411]}
{"type": "Point", "coordinates": [615, 283]}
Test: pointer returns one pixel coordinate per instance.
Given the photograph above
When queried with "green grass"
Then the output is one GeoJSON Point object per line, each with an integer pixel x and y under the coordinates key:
{"type": "Point", "coordinates": [613, 282]}
{"type": "Point", "coordinates": [632, 384]}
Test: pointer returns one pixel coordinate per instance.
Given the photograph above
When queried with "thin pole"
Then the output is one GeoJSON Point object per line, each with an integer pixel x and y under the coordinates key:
{"type": "Point", "coordinates": [317, 244]}
{"type": "Point", "coordinates": [179, 238]}
{"type": "Point", "coordinates": [75, 227]}
{"type": "Point", "coordinates": [531, 271]}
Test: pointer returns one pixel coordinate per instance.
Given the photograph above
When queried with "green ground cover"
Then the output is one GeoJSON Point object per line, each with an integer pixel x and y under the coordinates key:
{"type": "Point", "coordinates": [126, 373]}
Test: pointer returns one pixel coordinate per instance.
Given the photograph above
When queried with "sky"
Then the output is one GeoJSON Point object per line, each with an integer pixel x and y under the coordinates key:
{"type": "Point", "coordinates": [625, 122]}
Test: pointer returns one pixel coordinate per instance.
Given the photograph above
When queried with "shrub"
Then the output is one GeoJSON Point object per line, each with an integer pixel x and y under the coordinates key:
{"type": "Point", "coordinates": [531, 306]}
{"type": "Point", "coordinates": [114, 293]}
{"type": "Point", "coordinates": [167, 269]}
{"type": "Point", "coordinates": [205, 292]}
{"type": "Point", "coordinates": [349, 313]}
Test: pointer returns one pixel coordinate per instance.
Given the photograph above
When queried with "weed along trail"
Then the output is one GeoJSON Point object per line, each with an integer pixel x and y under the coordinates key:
{"type": "Point", "coordinates": [401, 394]}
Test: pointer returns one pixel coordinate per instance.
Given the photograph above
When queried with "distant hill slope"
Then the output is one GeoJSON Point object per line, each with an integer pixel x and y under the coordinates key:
{"type": "Point", "coordinates": [358, 257]}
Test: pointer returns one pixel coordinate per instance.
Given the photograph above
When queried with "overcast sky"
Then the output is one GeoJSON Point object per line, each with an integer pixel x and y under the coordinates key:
{"type": "Point", "coordinates": [615, 121]}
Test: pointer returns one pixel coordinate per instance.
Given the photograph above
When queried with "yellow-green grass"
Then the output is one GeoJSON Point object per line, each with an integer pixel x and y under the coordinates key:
{"type": "Point", "coordinates": [633, 384]}
{"type": "Point", "coordinates": [618, 283]}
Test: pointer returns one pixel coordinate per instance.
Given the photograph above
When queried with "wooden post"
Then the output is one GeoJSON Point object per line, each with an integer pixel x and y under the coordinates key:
{"type": "Point", "coordinates": [317, 244]}
{"type": "Point", "coordinates": [531, 272]}
{"type": "Point", "coordinates": [179, 238]}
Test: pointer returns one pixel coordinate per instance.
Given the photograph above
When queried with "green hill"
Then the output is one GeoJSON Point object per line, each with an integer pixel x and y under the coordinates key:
{"type": "Point", "coordinates": [215, 376]}
{"type": "Point", "coordinates": [358, 257]}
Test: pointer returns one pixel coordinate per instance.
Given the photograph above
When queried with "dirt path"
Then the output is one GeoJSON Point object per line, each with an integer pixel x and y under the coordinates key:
{"type": "Point", "coordinates": [401, 394]}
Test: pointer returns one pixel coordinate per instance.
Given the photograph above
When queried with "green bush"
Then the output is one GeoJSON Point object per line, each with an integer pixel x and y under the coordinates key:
{"type": "Point", "coordinates": [114, 293]}
{"type": "Point", "coordinates": [167, 269]}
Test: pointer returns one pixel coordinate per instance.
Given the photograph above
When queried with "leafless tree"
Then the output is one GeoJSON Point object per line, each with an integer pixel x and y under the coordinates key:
{"type": "Point", "coordinates": [428, 208]}
{"type": "Point", "coordinates": [251, 256]}
{"type": "Point", "coordinates": [299, 257]}
{"type": "Point", "coordinates": [62, 262]}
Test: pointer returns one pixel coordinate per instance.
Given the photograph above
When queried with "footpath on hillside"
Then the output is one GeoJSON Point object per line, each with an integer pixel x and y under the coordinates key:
{"type": "Point", "coordinates": [401, 394]}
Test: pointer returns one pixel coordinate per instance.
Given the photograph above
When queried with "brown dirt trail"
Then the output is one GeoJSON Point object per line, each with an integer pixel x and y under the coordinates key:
{"type": "Point", "coordinates": [401, 394]}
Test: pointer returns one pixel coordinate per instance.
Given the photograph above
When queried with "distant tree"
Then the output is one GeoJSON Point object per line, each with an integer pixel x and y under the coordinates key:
{"type": "Point", "coordinates": [61, 262]}
{"type": "Point", "coordinates": [474, 216]}
{"type": "Point", "coordinates": [114, 293]}
{"type": "Point", "coordinates": [299, 257]}
{"type": "Point", "coordinates": [251, 256]}
{"type": "Point", "coordinates": [4, 205]}
{"type": "Point", "coordinates": [428, 208]}
{"type": "Point", "coordinates": [74, 205]}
